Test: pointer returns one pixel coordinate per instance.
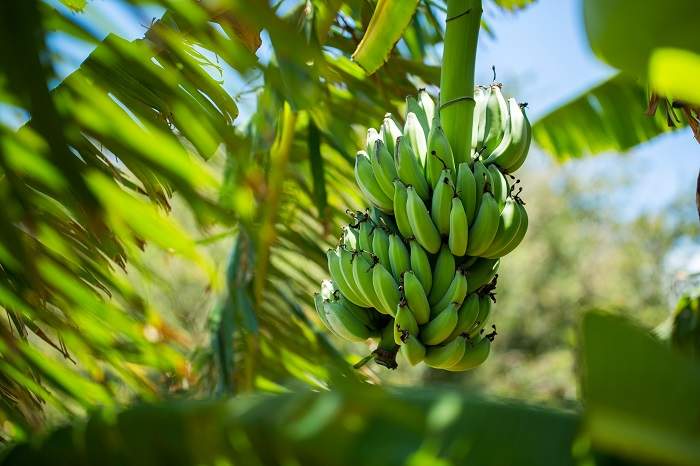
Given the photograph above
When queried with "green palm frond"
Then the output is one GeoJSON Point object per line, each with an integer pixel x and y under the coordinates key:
{"type": "Point", "coordinates": [89, 180]}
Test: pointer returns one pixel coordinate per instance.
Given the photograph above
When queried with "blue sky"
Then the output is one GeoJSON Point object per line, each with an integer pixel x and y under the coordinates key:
{"type": "Point", "coordinates": [541, 52]}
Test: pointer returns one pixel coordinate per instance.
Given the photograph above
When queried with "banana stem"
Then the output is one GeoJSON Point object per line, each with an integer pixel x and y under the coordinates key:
{"type": "Point", "coordinates": [457, 74]}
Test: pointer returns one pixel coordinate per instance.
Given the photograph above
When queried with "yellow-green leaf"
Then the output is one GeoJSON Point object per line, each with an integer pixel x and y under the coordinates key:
{"type": "Point", "coordinates": [674, 73]}
{"type": "Point", "coordinates": [385, 28]}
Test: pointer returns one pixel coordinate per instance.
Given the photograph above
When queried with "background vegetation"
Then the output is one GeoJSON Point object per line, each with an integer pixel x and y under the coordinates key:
{"type": "Point", "coordinates": [166, 208]}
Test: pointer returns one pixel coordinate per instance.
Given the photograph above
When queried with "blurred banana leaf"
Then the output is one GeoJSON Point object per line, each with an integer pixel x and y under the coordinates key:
{"type": "Point", "coordinates": [88, 182]}
{"type": "Point", "coordinates": [655, 47]}
{"type": "Point", "coordinates": [642, 398]}
{"type": "Point", "coordinates": [607, 118]}
{"type": "Point", "coordinates": [513, 4]}
{"type": "Point", "coordinates": [625, 33]}
{"type": "Point", "coordinates": [385, 28]}
{"type": "Point", "coordinates": [355, 425]}
{"type": "Point", "coordinates": [674, 72]}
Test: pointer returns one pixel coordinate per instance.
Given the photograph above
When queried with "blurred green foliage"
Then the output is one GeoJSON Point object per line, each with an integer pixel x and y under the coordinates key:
{"type": "Point", "coordinates": [155, 250]}
{"type": "Point", "coordinates": [655, 49]}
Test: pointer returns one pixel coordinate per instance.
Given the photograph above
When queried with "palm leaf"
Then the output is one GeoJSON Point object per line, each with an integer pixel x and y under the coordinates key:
{"type": "Point", "coordinates": [357, 425]}
{"type": "Point", "coordinates": [607, 118]}
{"type": "Point", "coordinates": [385, 28]}
{"type": "Point", "coordinates": [88, 182]}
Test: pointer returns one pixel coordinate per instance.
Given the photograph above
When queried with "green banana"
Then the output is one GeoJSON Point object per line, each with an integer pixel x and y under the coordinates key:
{"type": "Point", "coordinates": [459, 229]}
{"type": "Point", "coordinates": [520, 159]}
{"type": "Point", "coordinates": [351, 238]}
{"type": "Point", "coordinates": [333, 257]}
{"type": "Point", "coordinates": [482, 182]}
{"type": "Point", "coordinates": [318, 304]}
{"type": "Point", "coordinates": [382, 220]}
{"type": "Point", "coordinates": [479, 123]}
{"type": "Point", "coordinates": [400, 214]}
{"type": "Point", "coordinates": [437, 330]}
{"type": "Point", "coordinates": [346, 262]}
{"type": "Point", "coordinates": [420, 265]}
{"type": "Point", "coordinates": [384, 168]}
{"type": "Point", "coordinates": [481, 273]}
{"type": "Point", "coordinates": [443, 193]}
{"type": "Point", "coordinates": [399, 260]}
{"type": "Point", "coordinates": [412, 349]}
{"type": "Point", "coordinates": [474, 355]}
{"type": "Point", "coordinates": [462, 213]}
{"type": "Point", "coordinates": [415, 297]}
{"type": "Point", "coordinates": [389, 132]}
{"type": "Point", "coordinates": [442, 357]}
{"type": "Point", "coordinates": [413, 106]}
{"type": "Point", "coordinates": [413, 131]}
{"type": "Point", "coordinates": [455, 293]}
{"type": "Point", "coordinates": [485, 225]}
{"type": "Point", "coordinates": [422, 226]}
{"type": "Point", "coordinates": [344, 322]}
{"type": "Point", "coordinates": [409, 170]}
{"type": "Point", "coordinates": [362, 274]}
{"type": "Point", "coordinates": [386, 338]}
{"type": "Point", "coordinates": [427, 104]}
{"type": "Point", "coordinates": [518, 237]}
{"type": "Point", "coordinates": [467, 314]}
{"type": "Point", "coordinates": [367, 183]}
{"type": "Point", "coordinates": [372, 138]}
{"type": "Point", "coordinates": [500, 187]}
{"type": "Point", "coordinates": [386, 288]}
{"type": "Point", "coordinates": [364, 240]}
{"type": "Point", "coordinates": [466, 190]}
{"type": "Point", "coordinates": [508, 224]}
{"type": "Point", "coordinates": [404, 321]}
{"type": "Point", "coordinates": [515, 140]}
{"type": "Point", "coordinates": [439, 156]}
{"type": "Point", "coordinates": [482, 319]}
{"type": "Point", "coordinates": [380, 245]}
{"type": "Point", "coordinates": [443, 273]}
{"type": "Point", "coordinates": [366, 316]}
{"type": "Point", "coordinates": [329, 290]}
{"type": "Point", "coordinates": [497, 118]}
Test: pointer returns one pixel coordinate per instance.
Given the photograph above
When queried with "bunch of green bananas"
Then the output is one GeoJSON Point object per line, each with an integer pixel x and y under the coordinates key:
{"type": "Point", "coordinates": [417, 270]}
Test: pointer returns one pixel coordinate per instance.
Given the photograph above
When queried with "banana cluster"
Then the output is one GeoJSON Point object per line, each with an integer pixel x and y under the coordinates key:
{"type": "Point", "coordinates": [418, 269]}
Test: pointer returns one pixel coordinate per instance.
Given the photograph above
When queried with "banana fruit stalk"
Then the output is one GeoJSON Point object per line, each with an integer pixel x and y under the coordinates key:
{"type": "Point", "coordinates": [417, 271]}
